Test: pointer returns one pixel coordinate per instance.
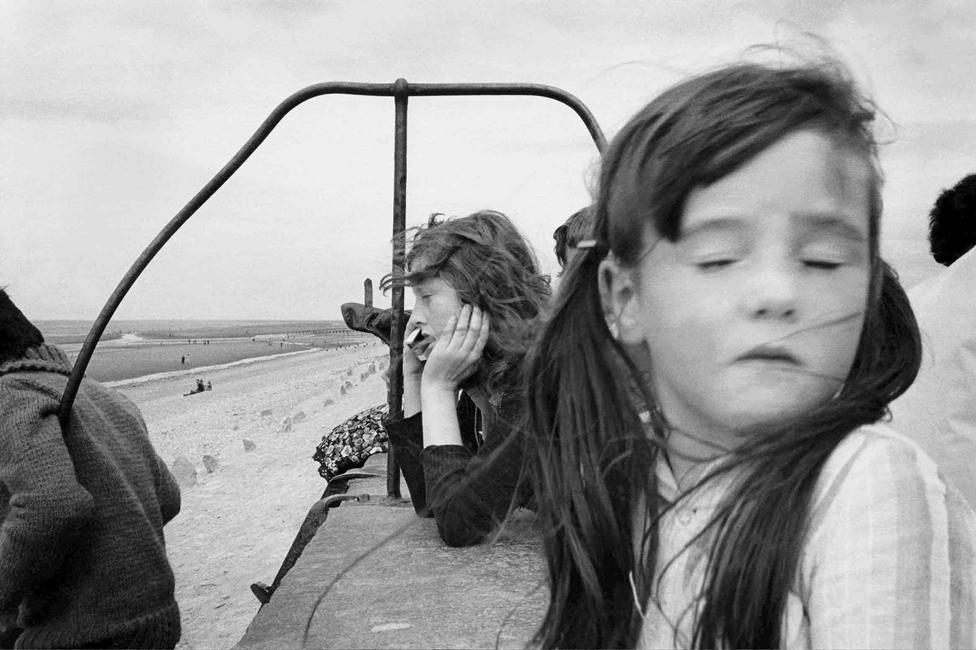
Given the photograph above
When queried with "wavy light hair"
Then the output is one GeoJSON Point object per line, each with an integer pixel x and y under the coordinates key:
{"type": "Point", "coordinates": [490, 264]}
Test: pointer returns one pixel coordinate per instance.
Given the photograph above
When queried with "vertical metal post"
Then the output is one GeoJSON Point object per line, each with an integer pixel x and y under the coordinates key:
{"type": "Point", "coordinates": [368, 293]}
{"type": "Point", "coordinates": [395, 395]}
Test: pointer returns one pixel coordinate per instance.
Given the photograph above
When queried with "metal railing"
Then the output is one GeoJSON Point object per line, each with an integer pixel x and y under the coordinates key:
{"type": "Point", "coordinates": [400, 90]}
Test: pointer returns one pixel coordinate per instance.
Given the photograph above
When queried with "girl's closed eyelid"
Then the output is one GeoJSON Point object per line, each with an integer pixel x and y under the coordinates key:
{"type": "Point", "coordinates": [823, 265]}
{"type": "Point", "coordinates": [714, 261]}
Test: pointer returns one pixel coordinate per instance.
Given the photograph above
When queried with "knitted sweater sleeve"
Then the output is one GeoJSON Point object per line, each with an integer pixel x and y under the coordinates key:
{"type": "Point", "coordinates": [47, 505]}
{"type": "Point", "coordinates": [470, 493]}
{"type": "Point", "coordinates": [167, 489]}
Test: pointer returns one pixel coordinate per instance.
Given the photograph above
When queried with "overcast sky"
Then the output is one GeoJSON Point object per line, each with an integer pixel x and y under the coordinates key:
{"type": "Point", "coordinates": [114, 114]}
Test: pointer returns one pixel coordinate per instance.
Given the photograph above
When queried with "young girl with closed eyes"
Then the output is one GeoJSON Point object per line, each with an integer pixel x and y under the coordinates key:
{"type": "Point", "coordinates": [749, 497]}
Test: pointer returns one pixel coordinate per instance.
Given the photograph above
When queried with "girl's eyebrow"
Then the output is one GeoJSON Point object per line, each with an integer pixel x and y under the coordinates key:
{"type": "Point", "coordinates": [709, 224]}
{"type": "Point", "coordinates": [833, 223]}
{"type": "Point", "coordinates": [830, 221]}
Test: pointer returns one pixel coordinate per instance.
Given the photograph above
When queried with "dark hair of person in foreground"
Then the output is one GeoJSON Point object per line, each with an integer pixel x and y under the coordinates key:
{"type": "Point", "coordinates": [952, 222]}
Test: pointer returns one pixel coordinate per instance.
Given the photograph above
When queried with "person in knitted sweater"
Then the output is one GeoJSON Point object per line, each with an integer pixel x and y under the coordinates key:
{"type": "Point", "coordinates": [82, 555]}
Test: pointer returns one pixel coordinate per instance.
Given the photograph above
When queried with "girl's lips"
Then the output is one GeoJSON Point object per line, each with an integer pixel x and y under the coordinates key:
{"type": "Point", "coordinates": [420, 344]}
{"type": "Point", "coordinates": [770, 353]}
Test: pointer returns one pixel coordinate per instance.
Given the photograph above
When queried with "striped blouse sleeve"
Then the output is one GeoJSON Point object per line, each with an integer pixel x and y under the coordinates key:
{"type": "Point", "coordinates": [890, 558]}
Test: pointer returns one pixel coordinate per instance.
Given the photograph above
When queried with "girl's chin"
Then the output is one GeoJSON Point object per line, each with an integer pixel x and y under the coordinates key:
{"type": "Point", "coordinates": [761, 415]}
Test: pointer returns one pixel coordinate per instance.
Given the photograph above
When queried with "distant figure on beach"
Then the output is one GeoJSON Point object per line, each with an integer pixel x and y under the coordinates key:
{"type": "Point", "coordinates": [199, 388]}
{"type": "Point", "coordinates": [209, 386]}
{"type": "Point", "coordinates": [183, 360]}
{"type": "Point", "coordinates": [578, 228]}
{"type": "Point", "coordinates": [477, 296]}
{"type": "Point", "coordinates": [939, 410]}
{"type": "Point", "coordinates": [82, 554]}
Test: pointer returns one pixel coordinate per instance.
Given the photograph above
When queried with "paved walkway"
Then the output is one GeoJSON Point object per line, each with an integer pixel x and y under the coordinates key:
{"type": "Point", "coordinates": [386, 580]}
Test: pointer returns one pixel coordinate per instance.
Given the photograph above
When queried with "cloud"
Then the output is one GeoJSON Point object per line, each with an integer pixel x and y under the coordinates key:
{"type": "Point", "coordinates": [117, 113]}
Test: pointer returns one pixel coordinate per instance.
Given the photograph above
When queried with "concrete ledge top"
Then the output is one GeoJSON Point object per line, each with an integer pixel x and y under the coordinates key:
{"type": "Point", "coordinates": [385, 579]}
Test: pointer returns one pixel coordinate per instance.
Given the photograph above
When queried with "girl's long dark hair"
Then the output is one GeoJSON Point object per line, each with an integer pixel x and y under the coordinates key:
{"type": "Point", "coordinates": [593, 460]}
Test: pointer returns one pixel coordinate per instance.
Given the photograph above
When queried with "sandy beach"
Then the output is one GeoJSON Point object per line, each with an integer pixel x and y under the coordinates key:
{"type": "Point", "coordinates": [237, 522]}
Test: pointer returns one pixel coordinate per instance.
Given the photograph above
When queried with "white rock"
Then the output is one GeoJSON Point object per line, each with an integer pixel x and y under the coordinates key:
{"type": "Point", "coordinates": [184, 472]}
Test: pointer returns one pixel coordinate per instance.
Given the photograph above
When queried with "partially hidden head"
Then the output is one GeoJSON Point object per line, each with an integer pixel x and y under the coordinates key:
{"type": "Point", "coordinates": [737, 254]}
{"type": "Point", "coordinates": [17, 334]}
{"type": "Point", "coordinates": [484, 261]}
{"type": "Point", "coordinates": [578, 228]}
{"type": "Point", "coordinates": [952, 222]}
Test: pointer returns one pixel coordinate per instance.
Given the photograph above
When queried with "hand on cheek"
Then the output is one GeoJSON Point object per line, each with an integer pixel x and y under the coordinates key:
{"type": "Point", "coordinates": [456, 354]}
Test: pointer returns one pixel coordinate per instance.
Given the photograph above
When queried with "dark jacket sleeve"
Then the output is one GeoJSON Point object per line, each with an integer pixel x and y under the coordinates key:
{"type": "Point", "coordinates": [470, 493]}
{"type": "Point", "coordinates": [167, 489]}
{"type": "Point", "coordinates": [407, 441]}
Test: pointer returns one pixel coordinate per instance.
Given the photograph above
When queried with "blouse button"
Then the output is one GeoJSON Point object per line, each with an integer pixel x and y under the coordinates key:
{"type": "Point", "coordinates": [685, 516]}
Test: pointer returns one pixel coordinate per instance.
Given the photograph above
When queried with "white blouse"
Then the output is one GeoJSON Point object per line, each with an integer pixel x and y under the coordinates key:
{"type": "Point", "coordinates": [889, 560]}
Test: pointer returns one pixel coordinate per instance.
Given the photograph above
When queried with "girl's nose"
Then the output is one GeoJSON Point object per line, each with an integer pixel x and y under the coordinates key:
{"type": "Point", "coordinates": [418, 317]}
{"type": "Point", "coordinates": [772, 294]}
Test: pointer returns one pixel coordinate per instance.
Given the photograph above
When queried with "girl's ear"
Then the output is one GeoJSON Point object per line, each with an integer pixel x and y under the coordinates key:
{"type": "Point", "coordinates": [620, 300]}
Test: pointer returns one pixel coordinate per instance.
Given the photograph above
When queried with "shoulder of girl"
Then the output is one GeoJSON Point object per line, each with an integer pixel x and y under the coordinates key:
{"type": "Point", "coordinates": [872, 457]}
{"type": "Point", "coordinates": [868, 443]}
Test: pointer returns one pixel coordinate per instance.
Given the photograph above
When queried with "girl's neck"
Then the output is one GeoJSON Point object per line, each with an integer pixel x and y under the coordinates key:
{"type": "Point", "coordinates": [689, 455]}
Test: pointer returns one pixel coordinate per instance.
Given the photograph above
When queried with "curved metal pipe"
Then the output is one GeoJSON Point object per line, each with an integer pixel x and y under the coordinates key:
{"type": "Point", "coordinates": [525, 89]}
{"type": "Point", "coordinates": [208, 190]}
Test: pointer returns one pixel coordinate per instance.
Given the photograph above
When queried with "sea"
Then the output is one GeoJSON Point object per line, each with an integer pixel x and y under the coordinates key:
{"type": "Point", "coordinates": [75, 331]}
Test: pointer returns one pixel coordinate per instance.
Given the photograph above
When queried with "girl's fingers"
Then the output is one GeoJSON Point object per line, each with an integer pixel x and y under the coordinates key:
{"type": "Point", "coordinates": [484, 330]}
{"type": "Point", "coordinates": [474, 327]}
{"type": "Point", "coordinates": [468, 338]}
{"type": "Point", "coordinates": [451, 326]}
{"type": "Point", "coordinates": [478, 338]}
{"type": "Point", "coordinates": [461, 326]}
